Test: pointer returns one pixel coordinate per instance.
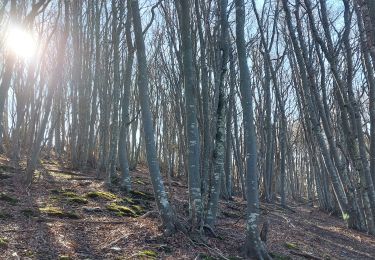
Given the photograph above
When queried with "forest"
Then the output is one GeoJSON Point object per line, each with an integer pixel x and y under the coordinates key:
{"type": "Point", "coordinates": [187, 129]}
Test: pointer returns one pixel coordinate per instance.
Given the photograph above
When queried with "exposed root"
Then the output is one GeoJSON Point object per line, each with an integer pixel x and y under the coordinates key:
{"type": "Point", "coordinates": [210, 230]}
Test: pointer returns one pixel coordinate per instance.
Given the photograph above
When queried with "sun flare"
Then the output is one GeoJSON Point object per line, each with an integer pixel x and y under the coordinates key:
{"type": "Point", "coordinates": [20, 42]}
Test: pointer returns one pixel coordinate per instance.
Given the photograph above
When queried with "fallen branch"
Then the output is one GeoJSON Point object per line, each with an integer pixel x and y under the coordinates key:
{"type": "Point", "coordinates": [152, 213]}
{"type": "Point", "coordinates": [305, 255]}
{"type": "Point", "coordinates": [177, 184]}
{"type": "Point", "coordinates": [288, 221]}
{"type": "Point", "coordinates": [115, 241]}
{"type": "Point", "coordinates": [65, 171]}
{"type": "Point", "coordinates": [212, 250]}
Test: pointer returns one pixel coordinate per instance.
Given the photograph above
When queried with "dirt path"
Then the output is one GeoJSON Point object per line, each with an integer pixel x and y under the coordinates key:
{"type": "Point", "coordinates": [70, 215]}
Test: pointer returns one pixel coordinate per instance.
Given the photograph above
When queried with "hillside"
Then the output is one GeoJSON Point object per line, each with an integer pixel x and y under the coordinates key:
{"type": "Point", "coordinates": [71, 215]}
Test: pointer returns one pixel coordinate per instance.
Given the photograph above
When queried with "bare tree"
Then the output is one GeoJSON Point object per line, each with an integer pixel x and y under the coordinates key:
{"type": "Point", "coordinates": [254, 247]}
{"type": "Point", "coordinates": [164, 207]}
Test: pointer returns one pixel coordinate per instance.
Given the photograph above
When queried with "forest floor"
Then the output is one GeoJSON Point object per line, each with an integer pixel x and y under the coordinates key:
{"type": "Point", "coordinates": [71, 215]}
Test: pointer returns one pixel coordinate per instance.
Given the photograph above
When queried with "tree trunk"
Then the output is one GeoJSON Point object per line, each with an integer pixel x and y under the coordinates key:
{"type": "Point", "coordinates": [122, 149]}
{"type": "Point", "coordinates": [254, 247]}
{"type": "Point", "coordinates": [193, 160]}
{"type": "Point", "coordinates": [164, 207]}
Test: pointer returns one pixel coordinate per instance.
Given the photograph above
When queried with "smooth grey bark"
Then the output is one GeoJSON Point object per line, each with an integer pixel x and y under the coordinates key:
{"type": "Point", "coordinates": [237, 153]}
{"type": "Point", "coordinates": [162, 202]}
{"type": "Point", "coordinates": [254, 247]}
{"type": "Point", "coordinates": [97, 81]}
{"type": "Point", "coordinates": [219, 150]}
{"type": "Point", "coordinates": [268, 171]}
{"type": "Point", "coordinates": [192, 134]}
{"type": "Point", "coordinates": [104, 101]}
{"type": "Point", "coordinates": [228, 147]}
{"type": "Point", "coordinates": [76, 80]}
{"type": "Point", "coordinates": [116, 31]}
{"type": "Point", "coordinates": [122, 145]}
{"type": "Point", "coordinates": [134, 148]}
{"type": "Point", "coordinates": [282, 136]}
{"type": "Point", "coordinates": [205, 165]}
{"type": "Point", "coordinates": [84, 85]}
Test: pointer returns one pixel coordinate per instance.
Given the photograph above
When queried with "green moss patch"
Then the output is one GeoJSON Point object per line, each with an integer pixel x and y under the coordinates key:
{"type": "Point", "coordinates": [7, 198]}
{"type": "Point", "coordinates": [101, 195]}
{"type": "Point", "coordinates": [137, 209]}
{"type": "Point", "coordinates": [74, 198]}
{"type": "Point", "coordinates": [122, 210]}
{"type": "Point", "coordinates": [68, 195]}
{"type": "Point", "coordinates": [3, 242]}
{"type": "Point", "coordinates": [140, 182]}
{"type": "Point", "coordinates": [142, 195]}
{"type": "Point", "coordinates": [290, 245]}
{"type": "Point", "coordinates": [57, 212]}
{"type": "Point", "coordinates": [129, 200]}
{"type": "Point", "coordinates": [148, 253]}
{"type": "Point", "coordinates": [141, 202]}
